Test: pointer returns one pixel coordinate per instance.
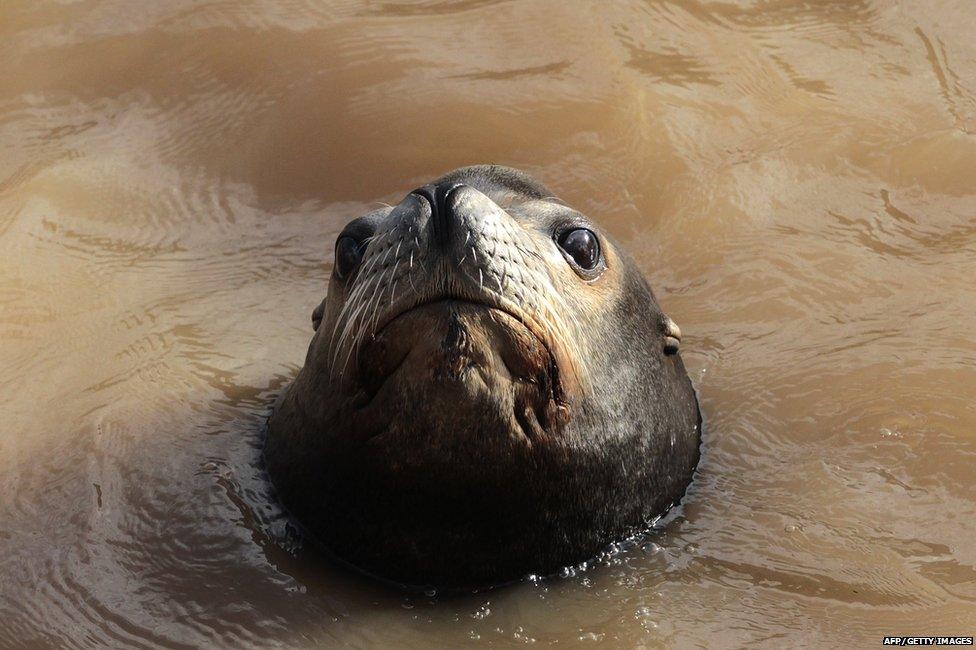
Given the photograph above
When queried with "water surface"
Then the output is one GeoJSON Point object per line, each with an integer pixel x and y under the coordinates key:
{"type": "Point", "coordinates": [797, 180]}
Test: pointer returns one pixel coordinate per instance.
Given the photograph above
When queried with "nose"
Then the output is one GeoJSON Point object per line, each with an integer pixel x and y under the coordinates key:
{"type": "Point", "coordinates": [442, 217]}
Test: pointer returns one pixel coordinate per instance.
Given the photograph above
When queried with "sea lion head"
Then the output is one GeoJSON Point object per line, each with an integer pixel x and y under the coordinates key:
{"type": "Point", "coordinates": [491, 390]}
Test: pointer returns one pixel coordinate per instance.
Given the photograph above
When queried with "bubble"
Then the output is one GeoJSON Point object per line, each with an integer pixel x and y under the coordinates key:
{"type": "Point", "coordinates": [520, 635]}
{"type": "Point", "coordinates": [482, 612]}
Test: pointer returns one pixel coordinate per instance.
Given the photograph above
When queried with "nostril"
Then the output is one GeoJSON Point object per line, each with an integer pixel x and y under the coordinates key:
{"type": "Point", "coordinates": [441, 214]}
{"type": "Point", "coordinates": [428, 192]}
{"type": "Point", "coordinates": [443, 194]}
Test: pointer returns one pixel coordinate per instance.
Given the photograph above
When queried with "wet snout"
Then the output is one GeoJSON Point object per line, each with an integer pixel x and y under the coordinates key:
{"type": "Point", "coordinates": [451, 242]}
{"type": "Point", "coordinates": [459, 334]}
{"type": "Point", "coordinates": [475, 240]}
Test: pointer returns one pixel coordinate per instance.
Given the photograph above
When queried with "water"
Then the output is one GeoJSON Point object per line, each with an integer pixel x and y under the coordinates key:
{"type": "Point", "coordinates": [797, 180]}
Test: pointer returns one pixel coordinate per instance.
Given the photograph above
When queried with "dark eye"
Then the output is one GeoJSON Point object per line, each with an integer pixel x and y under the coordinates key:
{"type": "Point", "coordinates": [583, 246]}
{"type": "Point", "coordinates": [348, 255]}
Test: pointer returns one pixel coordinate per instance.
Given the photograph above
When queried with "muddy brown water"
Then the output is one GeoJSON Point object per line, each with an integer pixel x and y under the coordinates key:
{"type": "Point", "coordinates": [797, 180]}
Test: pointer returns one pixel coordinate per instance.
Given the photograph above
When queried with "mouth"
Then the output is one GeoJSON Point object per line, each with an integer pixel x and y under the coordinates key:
{"type": "Point", "coordinates": [518, 326]}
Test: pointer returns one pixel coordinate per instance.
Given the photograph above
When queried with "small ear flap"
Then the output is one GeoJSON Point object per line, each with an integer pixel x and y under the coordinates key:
{"type": "Point", "coordinates": [672, 335]}
{"type": "Point", "coordinates": [317, 316]}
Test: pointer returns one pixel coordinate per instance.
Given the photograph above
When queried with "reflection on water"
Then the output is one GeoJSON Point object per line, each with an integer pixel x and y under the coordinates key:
{"type": "Point", "coordinates": [796, 179]}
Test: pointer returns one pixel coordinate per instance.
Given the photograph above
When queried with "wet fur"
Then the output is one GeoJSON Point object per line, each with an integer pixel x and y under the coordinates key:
{"type": "Point", "coordinates": [451, 513]}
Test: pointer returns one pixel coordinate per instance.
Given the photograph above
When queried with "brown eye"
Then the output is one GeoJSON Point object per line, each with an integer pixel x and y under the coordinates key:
{"type": "Point", "coordinates": [348, 255]}
{"type": "Point", "coordinates": [582, 246]}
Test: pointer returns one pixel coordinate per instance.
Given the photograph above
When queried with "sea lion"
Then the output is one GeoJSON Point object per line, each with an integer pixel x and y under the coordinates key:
{"type": "Point", "coordinates": [491, 390]}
